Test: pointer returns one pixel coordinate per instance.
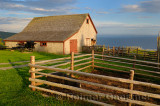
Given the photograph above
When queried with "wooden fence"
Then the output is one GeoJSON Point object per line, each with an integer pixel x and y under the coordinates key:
{"type": "Point", "coordinates": [140, 67]}
{"type": "Point", "coordinates": [124, 51]}
{"type": "Point", "coordinates": [36, 71]}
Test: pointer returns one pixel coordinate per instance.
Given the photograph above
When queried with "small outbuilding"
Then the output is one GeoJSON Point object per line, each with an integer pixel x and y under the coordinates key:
{"type": "Point", "coordinates": [61, 34]}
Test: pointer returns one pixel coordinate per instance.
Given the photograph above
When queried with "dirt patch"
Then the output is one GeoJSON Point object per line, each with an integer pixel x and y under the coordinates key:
{"type": "Point", "coordinates": [120, 85]}
{"type": "Point", "coordinates": [107, 91]}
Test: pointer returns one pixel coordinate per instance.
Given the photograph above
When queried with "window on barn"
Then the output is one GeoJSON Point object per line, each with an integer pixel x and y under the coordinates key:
{"type": "Point", "coordinates": [87, 21]}
{"type": "Point", "coordinates": [21, 44]}
{"type": "Point", "coordinates": [43, 43]}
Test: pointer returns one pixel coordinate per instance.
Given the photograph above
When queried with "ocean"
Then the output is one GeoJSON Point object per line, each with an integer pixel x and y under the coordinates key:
{"type": "Point", "coordinates": [145, 42]}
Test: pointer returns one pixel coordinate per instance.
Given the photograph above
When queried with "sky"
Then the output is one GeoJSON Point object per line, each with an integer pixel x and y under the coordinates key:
{"type": "Point", "coordinates": [111, 17]}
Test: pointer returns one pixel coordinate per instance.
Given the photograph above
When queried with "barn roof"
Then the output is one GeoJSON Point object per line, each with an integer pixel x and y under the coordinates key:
{"type": "Point", "coordinates": [51, 28]}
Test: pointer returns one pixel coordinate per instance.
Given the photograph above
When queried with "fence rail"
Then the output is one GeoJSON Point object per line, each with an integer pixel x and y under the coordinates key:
{"type": "Point", "coordinates": [124, 51]}
{"type": "Point", "coordinates": [36, 71]}
{"type": "Point", "coordinates": [135, 65]}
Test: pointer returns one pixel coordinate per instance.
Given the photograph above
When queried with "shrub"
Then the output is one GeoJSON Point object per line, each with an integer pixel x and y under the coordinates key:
{"type": "Point", "coordinates": [1, 42]}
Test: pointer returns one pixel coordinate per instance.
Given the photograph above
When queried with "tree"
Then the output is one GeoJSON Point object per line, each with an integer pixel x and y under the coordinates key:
{"type": "Point", "coordinates": [1, 42]}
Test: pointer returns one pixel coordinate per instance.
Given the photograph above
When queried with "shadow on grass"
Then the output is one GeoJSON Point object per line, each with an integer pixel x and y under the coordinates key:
{"type": "Point", "coordinates": [26, 93]}
{"type": "Point", "coordinates": [23, 74]}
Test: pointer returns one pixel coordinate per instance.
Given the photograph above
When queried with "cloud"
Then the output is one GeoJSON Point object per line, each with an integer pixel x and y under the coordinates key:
{"type": "Point", "coordinates": [102, 12]}
{"type": "Point", "coordinates": [41, 3]}
{"type": "Point", "coordinates": [10, 20]}
{"type": "Point", "coordinates": [131, 8]}
{"type": "Point", "coordinates": [19, 13]}
{"type": "Point", "coordinates": [13, 24]}
{"type": "Point", "coordinates": [150, 6]}
{"type": "Point", "coordinates": [144, 17]}
{"type": "Point", "coordinates": [39, 6]}
{"type": "Point", "coordinates": [118, 28]}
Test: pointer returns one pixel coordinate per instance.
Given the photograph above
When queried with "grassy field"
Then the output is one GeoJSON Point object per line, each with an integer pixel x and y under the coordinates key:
{"type": "Point", "coordinates": [14, 88]}
{"type": "Point", "coordinates": [13, 56]}
{"type": "Point", "coordinates": [7, 56]}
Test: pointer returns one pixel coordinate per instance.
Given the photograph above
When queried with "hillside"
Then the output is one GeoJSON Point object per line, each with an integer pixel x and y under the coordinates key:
{"type": "Point", "coordinates": [4, 35]}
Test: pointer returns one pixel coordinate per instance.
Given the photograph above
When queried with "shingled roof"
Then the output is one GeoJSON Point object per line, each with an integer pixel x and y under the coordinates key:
{"type": "Point", "coordinates": [51, 28]}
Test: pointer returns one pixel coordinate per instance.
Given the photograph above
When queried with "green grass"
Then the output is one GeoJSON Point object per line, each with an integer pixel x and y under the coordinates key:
{"type": "Point", "coordinates": [7, 56]}
{"type": "Point", "coordinates": [137, 77]}
{"type": "Point", "coordinates": [14, 90]}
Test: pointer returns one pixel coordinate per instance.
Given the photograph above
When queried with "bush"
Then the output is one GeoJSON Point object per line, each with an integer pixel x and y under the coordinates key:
{"type": "Point", "coordinates": [1, 42]}
{"type": "Point", "coordinates": [2, 46]}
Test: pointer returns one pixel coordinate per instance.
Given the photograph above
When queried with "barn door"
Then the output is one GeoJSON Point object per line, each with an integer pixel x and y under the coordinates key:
{"type": "Point", "coordinates": [73, 45]}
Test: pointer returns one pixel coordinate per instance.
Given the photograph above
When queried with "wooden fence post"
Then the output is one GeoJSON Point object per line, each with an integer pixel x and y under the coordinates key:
{"type": "Point", "coordinates": [72, 61]}
{"type": "Point", "coordinates": [118, 50]}
{"type": "Point", "coordinates": [144, 55]}
{"type": "Point", "coordinates": [158, 59]}
{"type": "Point", "coordinates": [103, 51]}
{"type": "Point", "coordinates": [131, 85]}
{"type": "Point", "coordinates": [113, 50]}
{"type": "Point", "coordinates": [128, 51]}
{"type": "Point", "coordinates": [122, 50]}
{"type": "Point", "coordinates": [108, 50]}
{"type": "Point", "coordinates": [32, 61]}
{"type": "Point", "coordinates": [137, 51]}
{"type": "Point", "coordinates": [93, 59]}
